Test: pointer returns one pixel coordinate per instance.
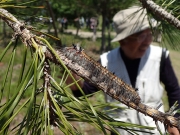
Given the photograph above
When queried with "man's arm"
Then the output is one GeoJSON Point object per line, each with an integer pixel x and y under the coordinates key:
{"type": "Point", "coordinates": [170, 81]}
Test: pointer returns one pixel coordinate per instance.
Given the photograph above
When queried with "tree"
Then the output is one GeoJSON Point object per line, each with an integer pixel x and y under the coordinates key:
{"type": "Point", "coordinates": [44, 108]}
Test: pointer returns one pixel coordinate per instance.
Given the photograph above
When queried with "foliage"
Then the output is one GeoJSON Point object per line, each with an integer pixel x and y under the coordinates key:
{"type": "Point", "coordinates": [51, 103]}
{"type": "Point", "coordinates": [169, 33]}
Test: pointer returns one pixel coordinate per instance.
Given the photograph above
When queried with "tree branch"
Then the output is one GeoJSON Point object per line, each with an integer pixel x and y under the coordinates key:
{"type": "Point", "coordinates": [76, 60]}
{"type": "Point", "coordinates": [160, 13]}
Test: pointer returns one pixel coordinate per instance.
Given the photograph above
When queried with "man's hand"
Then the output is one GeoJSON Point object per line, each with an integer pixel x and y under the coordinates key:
{"type": "Point", "coordinates": [173, 131]}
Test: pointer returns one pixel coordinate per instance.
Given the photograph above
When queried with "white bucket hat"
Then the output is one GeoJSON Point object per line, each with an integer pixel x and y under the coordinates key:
{"type": "Point", "coordinates": [130, 21]}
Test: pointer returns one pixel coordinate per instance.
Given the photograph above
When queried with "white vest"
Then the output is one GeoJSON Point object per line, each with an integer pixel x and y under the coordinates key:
{"type": "Point", "coordinates": [147, 82]}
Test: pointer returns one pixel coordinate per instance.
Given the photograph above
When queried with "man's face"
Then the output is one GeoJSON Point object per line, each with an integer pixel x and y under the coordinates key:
{"type": "Point", "coordinates": [136, 45]}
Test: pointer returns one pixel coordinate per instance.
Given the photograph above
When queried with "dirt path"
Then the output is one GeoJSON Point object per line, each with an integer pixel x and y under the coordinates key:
{"type": "Point", "coordinates": [85, 34]}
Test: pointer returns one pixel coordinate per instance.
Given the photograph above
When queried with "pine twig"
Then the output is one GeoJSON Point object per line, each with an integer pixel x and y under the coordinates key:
{"type": "Point", "coordinates": [160, 13]}
{"type": "Point", "coordinates": [76, 60]}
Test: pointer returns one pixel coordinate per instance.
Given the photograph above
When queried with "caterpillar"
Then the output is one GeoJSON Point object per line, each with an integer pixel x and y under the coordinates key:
{"type": "Point", "coordinates": [90, 70]}
{"type": "Point", "coordinates": [100, 76]}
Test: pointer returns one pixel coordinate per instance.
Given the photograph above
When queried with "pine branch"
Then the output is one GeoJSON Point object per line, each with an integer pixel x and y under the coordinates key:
{"type": "Point", "coordinates": [160, 13]}
{"type": "Point", "coordinates": [76, 60]}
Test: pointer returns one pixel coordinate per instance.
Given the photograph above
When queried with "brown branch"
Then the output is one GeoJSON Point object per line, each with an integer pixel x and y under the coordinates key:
{"type": "Point", "coordinates": [76, 60]}
{"type": "Point", "coordinates": [160, 13]}
{"type": "Point", "coordinates": [59, 43]}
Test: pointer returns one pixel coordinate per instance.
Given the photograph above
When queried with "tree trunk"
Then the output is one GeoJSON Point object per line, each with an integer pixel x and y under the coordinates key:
{"type": "Point", "coordinates": [77, 31]}
{"type": "Point", "coordinates": [109, 37]}
{"type": "Point", "coordinates": [103, 40]}
{"type": "Point", "coordinates": [94, 34]}
{"type": "Point", "coordinates": [53, 23]}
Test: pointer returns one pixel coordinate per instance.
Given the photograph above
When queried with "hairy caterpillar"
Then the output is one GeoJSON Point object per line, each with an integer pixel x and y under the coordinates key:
{"type": "Point", "coordinates": [100, 76]}
{"type": "Point", "coordinates": [76, 60]}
